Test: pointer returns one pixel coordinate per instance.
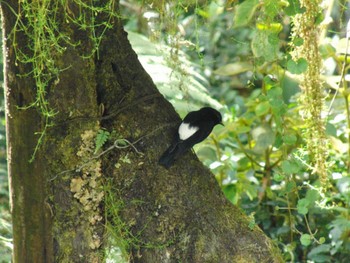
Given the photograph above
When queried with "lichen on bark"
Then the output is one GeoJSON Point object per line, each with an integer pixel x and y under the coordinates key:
{"type": "Point", "coordinates": [87, 187]}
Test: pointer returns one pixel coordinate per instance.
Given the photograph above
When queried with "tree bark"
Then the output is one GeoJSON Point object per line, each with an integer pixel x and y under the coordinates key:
{"type": "Point", "coordinates": [175, 215]}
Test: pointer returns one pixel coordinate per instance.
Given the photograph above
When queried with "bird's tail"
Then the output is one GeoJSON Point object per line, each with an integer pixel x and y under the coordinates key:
{"type": "Point", "coordinates": [169, 156]}
{"type": "Point", "coordinates": [167, 159]}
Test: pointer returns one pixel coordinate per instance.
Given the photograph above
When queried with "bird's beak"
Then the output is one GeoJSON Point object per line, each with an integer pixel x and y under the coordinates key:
{"type": "Point", "coordinates": [222, 124]}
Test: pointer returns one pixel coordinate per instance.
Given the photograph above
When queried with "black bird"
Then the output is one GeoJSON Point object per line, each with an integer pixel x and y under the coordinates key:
{"type": "Point", "coordinates": [195, 127]}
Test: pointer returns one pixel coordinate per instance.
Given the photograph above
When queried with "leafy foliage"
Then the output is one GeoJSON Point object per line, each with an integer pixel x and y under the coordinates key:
{"type": "Point", "coordinates": [260, 157]}
{"type": "Point", "coordinates": [177, 84]}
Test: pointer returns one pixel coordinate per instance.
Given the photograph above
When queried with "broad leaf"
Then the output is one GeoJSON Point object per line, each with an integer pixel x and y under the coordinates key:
{"type": "Point", "coordinates": [244, 12]}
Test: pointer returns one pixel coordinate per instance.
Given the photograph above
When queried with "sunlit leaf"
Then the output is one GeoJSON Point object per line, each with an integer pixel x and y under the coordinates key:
{"type": "Point", "coordinates": [297, 67]}
{"type": "Point", "coordinates": [244, 12]}
{"type": "Point", "coordinates": [262, 108]}
{"type": "Point", "coordinates": [272, 27]}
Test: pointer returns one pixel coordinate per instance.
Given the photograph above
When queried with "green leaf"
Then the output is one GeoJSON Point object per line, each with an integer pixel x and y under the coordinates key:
{"type": "Point", "coordinates": [265, 45]}
{"type": "Point", "coordinates": [290, 186]}
{"type": "Point", "coordinates": [293, 8]}
{"type": "Point", "coordinates": [278, 141]}
{"type": "Point", "coordinates": [320, 252]}
{"type": "Point", "coordinates": [290, 139]}
{"type": "Point", "coordinates": [252, 224]}
{"type": "Point", "coordinates": [251, 191]}
{"type": "Point", "coordinates": [101, 138]}
{"type": "Point", "coordinates": [297, 67]}
{"type": "Point", "coordinates": [278, 107]}
{"type": "Point", "coordinates": [262, 108]}
{"type": "Point", "coordinates": [305, 239]}
{"type": "Point", "coordinates": [322, 240]}
{"type": "Point", "coordinates": [241, 128]}
{"type": "Point", "coordinates": [244, 12]}
{"type": "Point", "coordinates": [312, 196]}
{"type": "Point", "coordinates": [298, 41]}
{"type": "Point", "coordinates": [278, 177]}
{"type": "Point", "coordinates": [289, 167]}
{"type": "Point", "coordinates": [271, 8]}
{"type": "Point", "coordinates": [230, 193]}
{"type": "Point", "coordinates": [125, 159]}
{"type": "Point", "coordinates": [319, 18]}
{"type": "Point", "coordinates": [302, 206]}
{"type": "Point", "coordinates": [331, 129]}
{"type": "Point", "coordinates": [202, 13]}
{"type": "Point", "coordinates": [275, 93]}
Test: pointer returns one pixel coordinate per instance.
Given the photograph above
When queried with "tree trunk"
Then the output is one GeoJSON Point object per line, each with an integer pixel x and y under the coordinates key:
{"type": "Point", "coordinates": [62, 201]}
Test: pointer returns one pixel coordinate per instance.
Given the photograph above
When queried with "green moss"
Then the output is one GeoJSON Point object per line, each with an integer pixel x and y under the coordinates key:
{"type": "Point", "coordinates": [118, 234]}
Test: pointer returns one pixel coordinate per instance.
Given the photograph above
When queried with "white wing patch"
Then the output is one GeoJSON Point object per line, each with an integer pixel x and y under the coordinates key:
{"type": "Point", "coordinates": [186, 131]}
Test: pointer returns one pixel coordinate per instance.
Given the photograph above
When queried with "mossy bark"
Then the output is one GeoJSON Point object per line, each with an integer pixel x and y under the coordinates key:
{"type": "Point", "coordinates": [49, 224]}
{"type": "Point", "coordinates": [177, 215]}
{"type": "Point", "coordinates": [30, 212]}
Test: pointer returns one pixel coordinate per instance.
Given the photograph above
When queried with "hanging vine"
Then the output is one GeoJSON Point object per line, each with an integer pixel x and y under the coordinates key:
{"type": "Point", "coordinates": [40, 22]}
{"type": "Point", "coordinates": [306, 31]}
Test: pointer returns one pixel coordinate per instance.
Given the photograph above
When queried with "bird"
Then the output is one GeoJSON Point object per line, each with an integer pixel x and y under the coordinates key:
{"type": "Point", "coordinates": [195, 127]}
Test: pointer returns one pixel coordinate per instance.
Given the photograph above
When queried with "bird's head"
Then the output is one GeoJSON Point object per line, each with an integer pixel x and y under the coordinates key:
{"type": "Point", "coordinates": [213, 115]}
